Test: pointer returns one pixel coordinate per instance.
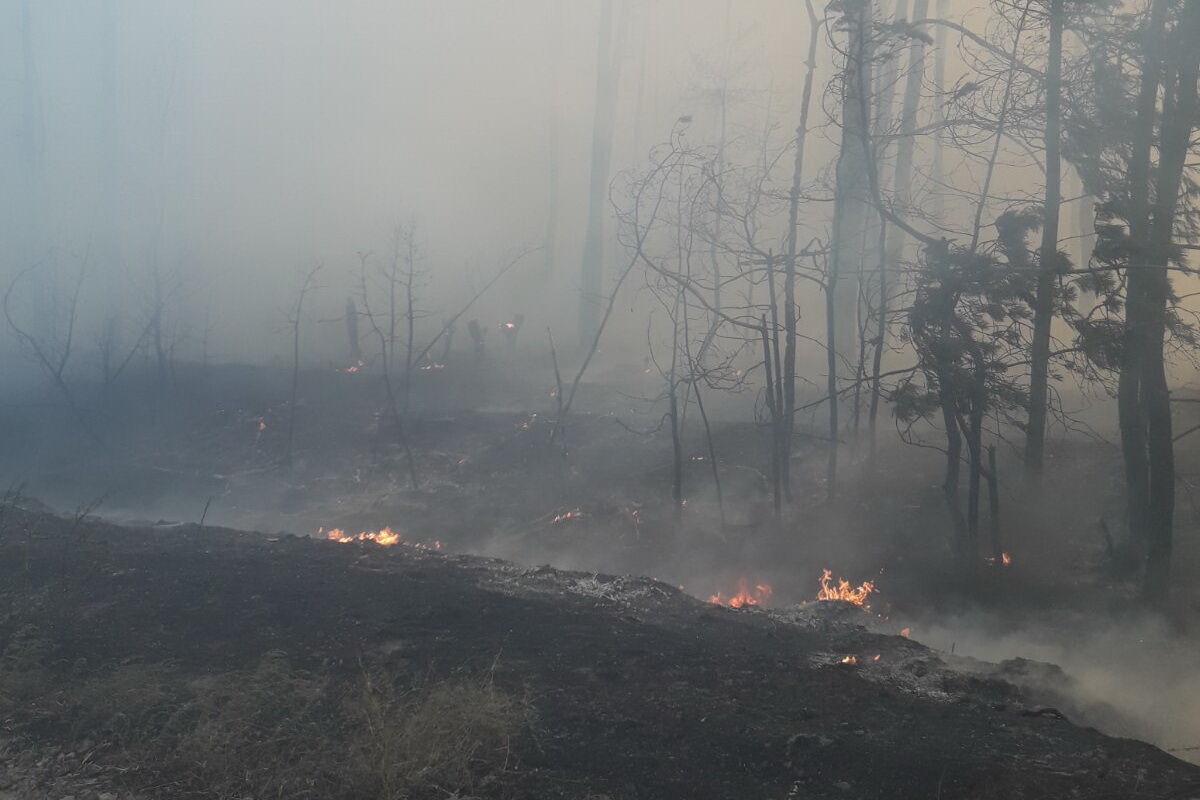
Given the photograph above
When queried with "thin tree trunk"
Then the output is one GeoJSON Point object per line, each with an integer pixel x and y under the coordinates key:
{"type": "Point", "coordinates": [993, 480]}
{"type": "Point", "coordinates": [592, 272]}
{"type": "Point", "coordinates": [789, 281]}
{"type": "Point", "coordinates": [1043, 310]}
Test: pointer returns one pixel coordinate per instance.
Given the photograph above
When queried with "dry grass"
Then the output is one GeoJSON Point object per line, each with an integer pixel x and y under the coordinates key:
{"type": "Point", "coordinates": [274, 731]}
{"type": "Point", "coordinates": [450, 738]}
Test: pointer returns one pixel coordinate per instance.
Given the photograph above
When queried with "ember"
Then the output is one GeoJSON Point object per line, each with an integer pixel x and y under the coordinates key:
{"type": "Point", "coordinates": [844, 591]}
{"type": "Point", "coordinates": [744, 596]}
{"type": "Point", "coordinates": [849, 660]}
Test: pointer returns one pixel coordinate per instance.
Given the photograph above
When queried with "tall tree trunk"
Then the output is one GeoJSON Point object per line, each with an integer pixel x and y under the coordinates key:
{"type": "Point", "coordinates": [1043, 311]}
{"type": "Point", "coordinates": [938, 168]}
{"type": "Point", "coordinates": [1180, 119]}
{"type": "Point", "coordinates": [853, 202]}
{"type": "Point", "coordinates": [789, 280]}
{"type": "Point", "coordinates": [550, 239]}
{"type": "Point", "coordinates": [591, 282]}
{"type": "Point", "coordinates": [1130, 412]}
{"type": "Point", "coordinates": [902, 188]}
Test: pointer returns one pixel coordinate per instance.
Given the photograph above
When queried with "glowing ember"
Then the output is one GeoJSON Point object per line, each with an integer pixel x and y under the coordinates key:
{"type": "Point", "coordinates": [744, 596]}
{"type": "Point", "coordinates": [566, 516]}
{"type": "Point", "coordinates": [906, 632]}
{"type": "Point", "coordinates": [844, 591]}
{"type": "Point", "coordinates": [850, 660]}
{"type": "Point", "coordinates": [877, 657]}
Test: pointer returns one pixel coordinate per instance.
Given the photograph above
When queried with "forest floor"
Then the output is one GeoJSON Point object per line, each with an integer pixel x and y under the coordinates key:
{"type": "Point", "coordinates": [168, 656]}
{"type": "Point", "coordinates": [205, 662]}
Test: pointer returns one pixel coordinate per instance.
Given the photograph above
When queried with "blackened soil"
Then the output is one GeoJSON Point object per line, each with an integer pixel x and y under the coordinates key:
{"type": "Point", "coordinates": [638, 690]}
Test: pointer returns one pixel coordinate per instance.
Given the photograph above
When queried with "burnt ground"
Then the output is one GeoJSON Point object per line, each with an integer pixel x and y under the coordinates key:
{"type": "Point", "coordinates": [637, 690]}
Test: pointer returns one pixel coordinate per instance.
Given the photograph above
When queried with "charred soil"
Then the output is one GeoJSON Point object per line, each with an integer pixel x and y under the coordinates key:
{"type": "Point", "coordinates": [127, 651]}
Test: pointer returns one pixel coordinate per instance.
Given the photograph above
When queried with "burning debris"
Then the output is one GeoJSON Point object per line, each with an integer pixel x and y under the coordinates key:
{"type": "Point", "coordinates": [744, 596]}
{"type": "Point", "coordinates": [567, 516]}
{"type": "Point", "coordinates": [1005, 560]}
{"type": "Point", "coordinates": [384, 537]}
{"type": "Point", "coordinates": [844, 591]}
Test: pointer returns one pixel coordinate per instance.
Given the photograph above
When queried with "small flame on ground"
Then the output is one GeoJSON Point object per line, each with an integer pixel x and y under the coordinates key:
{"type": "Point", "coordinates": [844, 591]}
{"type": "Point", "coordinates": [353, 368]}
{"type": "Point", "coordinates": [851, 660]}
{"type": "Point", "coordinates": [1005, 560]}
{"type": "Point", "coordinates": [566, 516]}
{"type": "Point", "coordinates": [384, 537]}
{"type": "Point", "coordinates": [906, 632]}
{"type": "Point", "coordinates": [744, 596]}
{"type": "Point", "coordinates": [877, 657]}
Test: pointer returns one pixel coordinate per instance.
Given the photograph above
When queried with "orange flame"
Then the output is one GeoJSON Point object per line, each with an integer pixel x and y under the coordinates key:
{"type": "Point", "coordinates": [744, 596]}
{"type": "Point", "coordinates": [1006, 559]}
{"type": "Point", "coordinates": [851, 660]}
{"type": "Point", "coordinates": [844, 591]}
{"type": "Point", "coordinates": [384, 537]}
{"type": "Point", "coordinates": [906, 632]}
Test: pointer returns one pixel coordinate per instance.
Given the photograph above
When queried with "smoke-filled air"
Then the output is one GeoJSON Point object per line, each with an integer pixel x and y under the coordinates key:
{"type": "Point", "coordinates": [599, 399]}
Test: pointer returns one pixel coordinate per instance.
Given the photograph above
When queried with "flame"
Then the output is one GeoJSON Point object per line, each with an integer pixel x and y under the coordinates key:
{"type": "Point", "coordinates": [1005, 560]}
{"type": "Point", "coordinates": [353, 368]}
{"type": "Point", "coordinates": [508, 326]}
{"type": "Point", "coordinates": [851, 660]}
{"type": "Point", "coordinates": [744, 596]}
{"type": "Point", "coordinates": [876, 657]}
{"type": "Point", "coordinates": [575, 513]}
{"type": "Point", "coordinates": [843, 591]}
{"type": "Point", "coordinates": [384, 537]}
{"type": "Point", "coordinates": [906, 632]}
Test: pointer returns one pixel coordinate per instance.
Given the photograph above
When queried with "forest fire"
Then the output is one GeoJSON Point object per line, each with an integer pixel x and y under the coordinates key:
{"type": "Point", "coordinates": [744, 596]}
{"type": "Point", "coordinates": [844, 591]}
